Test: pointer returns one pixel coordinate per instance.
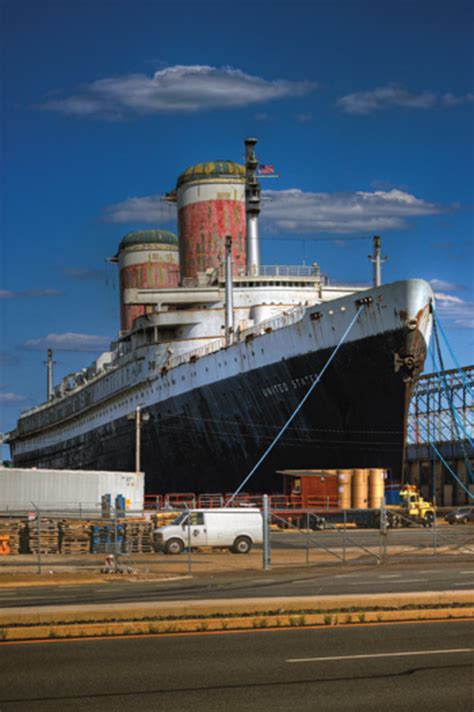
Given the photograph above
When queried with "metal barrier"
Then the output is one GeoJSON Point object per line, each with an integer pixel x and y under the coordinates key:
{"type": "Point", "coordinates": [179, 500]}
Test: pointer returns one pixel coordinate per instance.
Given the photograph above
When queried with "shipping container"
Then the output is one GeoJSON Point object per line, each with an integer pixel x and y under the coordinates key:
{"type": "Point", "coordinates": [66, 490]}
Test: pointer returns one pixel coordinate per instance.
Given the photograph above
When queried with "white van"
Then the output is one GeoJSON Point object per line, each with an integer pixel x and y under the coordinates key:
{"type": "Point", "coordinates": [236, 528]}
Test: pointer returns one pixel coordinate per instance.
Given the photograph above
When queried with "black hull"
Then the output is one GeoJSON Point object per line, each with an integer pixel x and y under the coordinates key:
{"type": "Point", "coordinates": [208, 440]}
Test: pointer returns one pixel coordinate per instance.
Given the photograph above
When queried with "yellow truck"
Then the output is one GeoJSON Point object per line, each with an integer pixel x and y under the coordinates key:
{"type": "Point", "coordinates": [413, 510]}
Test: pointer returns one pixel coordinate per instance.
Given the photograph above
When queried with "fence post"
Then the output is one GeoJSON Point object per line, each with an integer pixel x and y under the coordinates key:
{"type": "Point", "coordinates": [189, 544]}
{"type": "Point", "coordinates": [383, 531]}
{"type": "Point", "coordinates": [266, 533]}
{"type": "Point", "coordinates": [435, 537]}
{"type": "Point", "coordinates": [344, 538]}
{"type": "Point", "coordinates": [38, 531]}
{"type": "Point", "coordinates": [307, 537]}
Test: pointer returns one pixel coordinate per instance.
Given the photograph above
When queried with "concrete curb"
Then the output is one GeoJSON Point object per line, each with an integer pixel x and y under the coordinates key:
{"type": "Point", "coordinates": [216, 625]}
{"type": "Point", "coordinates": [219, 615]}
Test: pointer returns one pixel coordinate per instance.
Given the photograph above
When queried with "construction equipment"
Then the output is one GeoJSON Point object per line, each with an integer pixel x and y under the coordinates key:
{"type": "Point", "coordinates": [413, 510]}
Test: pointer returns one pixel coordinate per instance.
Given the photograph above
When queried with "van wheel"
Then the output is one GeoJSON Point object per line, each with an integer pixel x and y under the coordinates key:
{"type": "Point", "coordinates": [241, 545]}
{"type": "Point", "coordinates": [174, 546]}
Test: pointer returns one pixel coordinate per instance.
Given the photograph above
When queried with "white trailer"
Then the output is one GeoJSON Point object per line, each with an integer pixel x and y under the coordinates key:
{"type": "Point", "coordinates": [24, 490]}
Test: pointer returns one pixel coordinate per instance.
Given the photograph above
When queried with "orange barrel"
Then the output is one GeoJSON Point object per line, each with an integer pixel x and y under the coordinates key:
{"type": "Point", "coordinates": [344, 488]}
{"type": "Point", "coordinates": [376, 487]}
{"type": "Point", "coordinates": [360, 494]}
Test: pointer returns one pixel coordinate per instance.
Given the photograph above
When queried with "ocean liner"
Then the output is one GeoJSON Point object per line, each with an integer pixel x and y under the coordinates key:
{"type": "Point", "coordinates": [218, 351]}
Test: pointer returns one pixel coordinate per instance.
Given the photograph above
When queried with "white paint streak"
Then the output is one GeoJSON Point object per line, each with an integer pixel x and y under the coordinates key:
{"type": "Point", "coordinates": [370, 656]}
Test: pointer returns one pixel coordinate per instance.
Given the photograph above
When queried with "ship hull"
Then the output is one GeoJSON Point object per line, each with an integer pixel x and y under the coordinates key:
{"type": "Point", "coordinates": [208, 439]}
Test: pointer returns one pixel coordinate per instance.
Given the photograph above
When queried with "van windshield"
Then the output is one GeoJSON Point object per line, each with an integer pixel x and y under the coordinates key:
{"type": "Point", "coordinates": [180, 518]}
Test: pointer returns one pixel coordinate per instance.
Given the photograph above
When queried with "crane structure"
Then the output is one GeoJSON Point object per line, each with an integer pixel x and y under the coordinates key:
{"type": "Point", "coordinates": [440, 436]}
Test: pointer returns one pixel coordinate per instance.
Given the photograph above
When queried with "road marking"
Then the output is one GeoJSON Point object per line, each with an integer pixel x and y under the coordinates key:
{"type": "Point", "coordinates": [409, 581]}
{"type": "Point", "coordinates": [464, 583]}
{"type": "Point", "coordinates": [386, 576]}
{"type": "Point", "coordinates": [381, 655]}
{"type": "Point", "coordinates": [346, 575]}
{"type": "Point", "coordinates": [371, 583]}
{"type": "Point", "coordinates": [466, 573]}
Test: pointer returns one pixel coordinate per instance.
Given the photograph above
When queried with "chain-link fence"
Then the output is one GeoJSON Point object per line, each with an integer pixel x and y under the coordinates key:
{"type": "Point", "coordinates": [117, 541]}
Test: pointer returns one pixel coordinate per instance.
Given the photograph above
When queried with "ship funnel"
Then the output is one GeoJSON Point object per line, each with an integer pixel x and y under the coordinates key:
{"type": "Point", "coordinates": [252, 207]}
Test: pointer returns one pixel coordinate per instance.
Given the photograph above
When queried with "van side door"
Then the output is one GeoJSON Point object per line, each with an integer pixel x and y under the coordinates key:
{"type": "Point", "coordinates": [195, 530]}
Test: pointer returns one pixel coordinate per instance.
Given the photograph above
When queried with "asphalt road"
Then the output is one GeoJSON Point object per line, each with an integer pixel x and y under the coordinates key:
{"type": "Point", "coordinates": [334, 580]}
{"type": "Point", "coordinates": [425, 666]}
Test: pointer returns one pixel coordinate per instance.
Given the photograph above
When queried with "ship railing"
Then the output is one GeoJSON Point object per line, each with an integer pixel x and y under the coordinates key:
{"type": "Point", "coordinates": [291, 271]}
{"type": "Point", "coordinates": [290, 316]}
{"type": "Point", "coordinates": [264, 271]}
{"type": "Point", "coordinates": [280, 271]}
{"type": "Point", "coordinates": [186, 356]}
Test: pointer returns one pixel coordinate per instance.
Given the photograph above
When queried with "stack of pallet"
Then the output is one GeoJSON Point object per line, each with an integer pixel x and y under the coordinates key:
{"type": "Point", "coordinates": [161, 519]}
{"type": "Point", "coordinates": [10, 530]}
{"type": "Point", "coordinates": [44, 537]}
{"type": "Point", "coordinates": [139, 536]}
{"type": "Point", "coordinates": [74, 537]}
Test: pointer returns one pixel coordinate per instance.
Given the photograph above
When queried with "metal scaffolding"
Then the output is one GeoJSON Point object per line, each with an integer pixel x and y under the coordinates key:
{"type": "Point", "coordinates": [442, 409]}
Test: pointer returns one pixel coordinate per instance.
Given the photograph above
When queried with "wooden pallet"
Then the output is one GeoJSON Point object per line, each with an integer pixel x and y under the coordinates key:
{"type": "Point", "coordinates": [45, 538]}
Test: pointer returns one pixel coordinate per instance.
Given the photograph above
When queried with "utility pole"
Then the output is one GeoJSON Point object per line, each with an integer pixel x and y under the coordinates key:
{"type": "Point", "coordinates": [139, 417]}
{"type": "Point", "coordinates": [49, 371]}
{"type": "Point", "coordinates": [377, 261]}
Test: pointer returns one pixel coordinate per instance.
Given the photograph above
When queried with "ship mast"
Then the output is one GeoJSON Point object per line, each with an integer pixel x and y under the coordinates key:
{"type": "Point", "coordinates": [49, 374]}
{"type": "Point", "coordinates": [377, 260]}
{"type": "Point", "coordinates": [252, 207]}
{"type": "Point", "coordinates": [229, 292]}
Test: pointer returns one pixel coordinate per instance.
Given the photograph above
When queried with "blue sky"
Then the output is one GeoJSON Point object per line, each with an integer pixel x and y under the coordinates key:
{"type": "Point", "coordinates": [365, 109]}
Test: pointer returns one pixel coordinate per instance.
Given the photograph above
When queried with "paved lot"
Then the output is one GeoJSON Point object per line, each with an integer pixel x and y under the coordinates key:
{"type": "Point", "coordinates": [303, 581]}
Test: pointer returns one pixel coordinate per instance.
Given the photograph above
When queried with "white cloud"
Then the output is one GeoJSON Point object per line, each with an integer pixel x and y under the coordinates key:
{"type": "Point", "coordinates": [452, 100]}
{"type": "Point", "coordinates": [11, 398]}
{"type": "Point", "coordinates": [458, 313]}
{"type": "Point", "coordinates": [443, 286]}
{"type": "Point", "coordinates": [69, 342]}
{"type": "Point", "coordinates": [8, 294]}
{"type": "Point", "coordinates": [178, 89]}
{"type": "Point", "coordinates": [148, 209]}
{"type": "Point", "coordinates": [294, 210]}
{"type": "Point", "coordinates": [395, 95]}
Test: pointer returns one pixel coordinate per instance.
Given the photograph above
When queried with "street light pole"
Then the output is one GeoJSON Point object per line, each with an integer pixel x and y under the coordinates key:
{"type": "Point", "coordinates": [139, 417]}
{"type": "Point", "coordinates": [138, 423]}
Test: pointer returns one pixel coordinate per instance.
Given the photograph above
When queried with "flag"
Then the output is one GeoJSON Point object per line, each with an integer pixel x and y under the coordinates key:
{"type": "Point", "coordinates": [265, 170]}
